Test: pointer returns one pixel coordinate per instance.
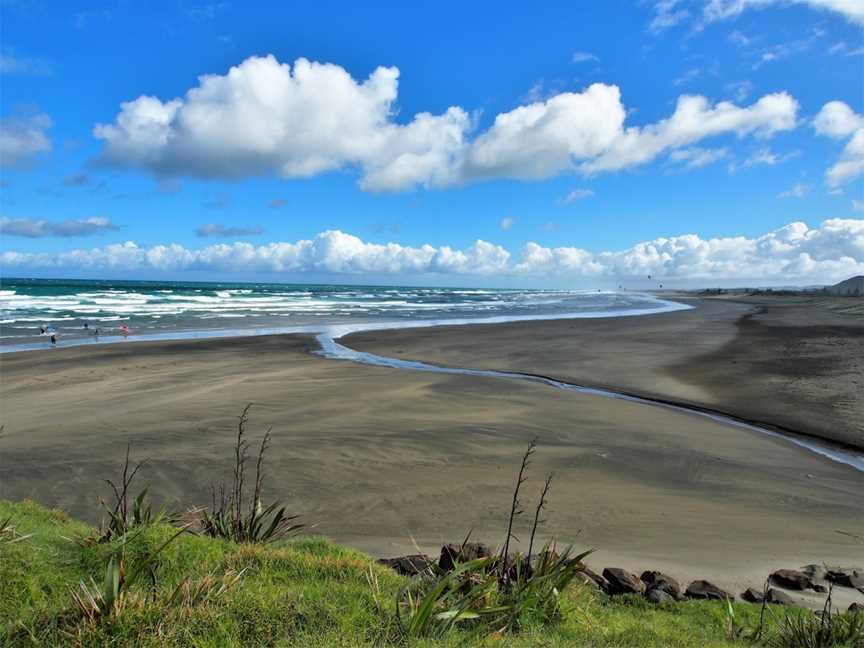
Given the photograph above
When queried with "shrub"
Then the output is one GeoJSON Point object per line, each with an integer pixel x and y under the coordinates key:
{"type": "Point", "coordinates": [236, 517]}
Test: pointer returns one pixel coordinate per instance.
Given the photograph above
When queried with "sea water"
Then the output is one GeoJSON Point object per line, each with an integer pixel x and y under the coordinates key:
{"type": "Point", "coordinates": [154, 310]}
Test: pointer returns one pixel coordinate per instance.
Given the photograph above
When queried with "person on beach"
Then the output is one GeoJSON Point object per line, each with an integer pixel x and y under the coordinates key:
{"type": "Point", "coordinates": [125, 330]}
{"type": "Point", "coordinates": [53, 339]}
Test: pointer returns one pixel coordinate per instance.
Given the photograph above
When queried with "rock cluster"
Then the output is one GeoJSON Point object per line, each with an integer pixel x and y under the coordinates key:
{"type": "Point", "coordinates": [654, 586]}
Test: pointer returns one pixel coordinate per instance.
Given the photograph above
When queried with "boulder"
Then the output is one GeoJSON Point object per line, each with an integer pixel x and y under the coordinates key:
{"type": "Point", "coordinates": [856, 608]}
{"type": "Point", "coordinates": [815, 572]}
{"type": "Point", "coordinates": [776, 597]}
{"type": "Point", "coordinates": [663, 582]}
{"type": "Point", "coordinates": [658, 596]}
{"type": "Point", "coordinates": [601, 582]}
{"type": "Point", "coordinates": [702, 589]}
{"type": "Point", "coordinates": [461, 553]}
{"type": "Point", "coordinates": [411, 565]}
{"type": "Point", "coordinates": [622, 582]}
{"type": "Point", "coordinates": [752, 595]}
{"type": "Point", "coordinates": [791, 579]}
{"type": "Point", "coordinates": [846, 578]}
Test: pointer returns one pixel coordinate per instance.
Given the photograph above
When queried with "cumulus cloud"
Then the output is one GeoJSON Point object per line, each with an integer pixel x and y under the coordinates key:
{"type": "Point", "coordinates": [265, 117]}
{"type": "Point", "coordinates": [22, 137]}
{"type": "Point", "coordinates": [37, 228]}
{"type": "Point", "coordinates": [837, 120]}
{"type": "Point", "coordinates": [695, 119]}
{"type": "Point", "coordinates": [795, 252]}
{"type": "Point", "coordinates": [216, 229]}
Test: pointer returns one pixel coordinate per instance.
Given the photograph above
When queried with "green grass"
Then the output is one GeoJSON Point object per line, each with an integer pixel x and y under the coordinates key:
{"type": "Point", "coordinates": [304, 592]}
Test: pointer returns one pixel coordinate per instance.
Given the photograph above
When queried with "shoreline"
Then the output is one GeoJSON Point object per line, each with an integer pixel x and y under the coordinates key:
{"type": "Point", "coordinates": [338, 330]}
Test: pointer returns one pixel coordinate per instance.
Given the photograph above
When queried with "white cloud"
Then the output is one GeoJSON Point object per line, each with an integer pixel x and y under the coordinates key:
{"type": "Point", "coordinates": [696, 158]}
{"type": "Point", "coordinates": [796, 252]}
{"type": "Point", "coordinates": [583, 57]}
{"type": "Point", "coordinates": [507, 222]}
{"type": "Point", "coordinates": [852, 10]}
{"type": "Point", "coordinates": [695, 119]}
{"type": "Point", "coordinates": [838, 120]}
{"type": "Point", "coordinates": [577, 194]}
{"type": "Point", "coordinates": [858, 205]}
{"type": "Point", "coordinates": [37, 228]}
{"type": "Point", "coordinates": [798, 190]}
{"type": "Point", "coordinates": [264, 117]}
{"type": "Point", "coordinates": [22, 137]}
{"type": "Point", "coordinates": [767, 157]}
{"type": "Point", "coordinates": [668, 13]}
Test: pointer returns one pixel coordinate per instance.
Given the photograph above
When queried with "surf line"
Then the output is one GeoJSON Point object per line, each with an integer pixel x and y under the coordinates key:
{"type": "Point", "coordinates": [330, 348]}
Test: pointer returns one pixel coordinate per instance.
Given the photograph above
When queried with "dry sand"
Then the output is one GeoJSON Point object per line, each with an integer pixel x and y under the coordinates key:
{"type": "Point", "coordinates": [380, 458]}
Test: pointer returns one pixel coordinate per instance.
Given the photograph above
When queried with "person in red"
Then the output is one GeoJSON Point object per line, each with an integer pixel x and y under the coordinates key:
{"type": "Point", "coordinates": [124, 329]}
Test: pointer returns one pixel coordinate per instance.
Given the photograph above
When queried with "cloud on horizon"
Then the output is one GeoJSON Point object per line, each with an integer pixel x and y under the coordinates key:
{"type": "Point", "coordinates": [796, 252]}
{"type": "Point", "coordinates": [267, 118]}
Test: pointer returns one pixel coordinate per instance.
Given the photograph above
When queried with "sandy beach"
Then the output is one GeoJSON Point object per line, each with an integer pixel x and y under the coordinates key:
{"type": "Point", "coordinates": [382, 459]}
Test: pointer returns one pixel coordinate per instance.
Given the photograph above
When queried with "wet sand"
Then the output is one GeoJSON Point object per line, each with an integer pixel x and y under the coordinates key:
{"type": "Point", "coordinates": [381, 459]}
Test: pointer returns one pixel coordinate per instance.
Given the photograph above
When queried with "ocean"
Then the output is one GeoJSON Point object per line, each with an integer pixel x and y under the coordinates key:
{"type": "Point", "coordinates": [154, 310]}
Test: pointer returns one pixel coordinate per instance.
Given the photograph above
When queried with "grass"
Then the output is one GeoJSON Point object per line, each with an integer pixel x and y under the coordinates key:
{"type": "Point", "coordinates": [309, 592]}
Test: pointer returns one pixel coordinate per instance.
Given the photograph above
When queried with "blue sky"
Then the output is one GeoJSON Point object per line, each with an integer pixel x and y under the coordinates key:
{"type": "Point", "coordinates": [66, 187]}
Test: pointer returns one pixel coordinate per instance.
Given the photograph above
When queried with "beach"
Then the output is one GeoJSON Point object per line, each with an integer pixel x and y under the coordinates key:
{"type": "Point", "coordinates": [387, 460]}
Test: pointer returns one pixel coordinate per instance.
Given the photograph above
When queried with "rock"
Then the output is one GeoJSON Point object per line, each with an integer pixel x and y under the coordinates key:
{"type": "Point", "coordinates": [752, 595]}
{"type": "Point", "coordinates": [856, 608]}
{"type": "Point", "coordinates": [776, 597]}
{"type": "Point", "coordinates": [846, 578]}
{"type": "Point", "coordinates": [457, 553]}
{"type": "Point", "coordinates": [659, 596]}
{"type": "Point", "coordinates": [791, 579]}
{"type": "Point", "coordinates": [601, 582]}
{"type": "Point", "coordinates": [663, 582]}
{"type": "Point", "coordinates": [815, 572]}
{"type": "Point", "coordinates": [411, 565]}
{"type": "Point", "coordinates": [702, 589]}
{"type": "Point", "coordinates": [622, 582]}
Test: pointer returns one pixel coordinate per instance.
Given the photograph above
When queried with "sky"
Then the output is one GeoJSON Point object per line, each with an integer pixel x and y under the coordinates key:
{"type": "Point", "coordinates": [702, 142]}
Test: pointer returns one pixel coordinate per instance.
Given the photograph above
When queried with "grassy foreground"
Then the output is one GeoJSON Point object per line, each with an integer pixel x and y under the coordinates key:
{"type": "Point", "coordinates": [303, 592]}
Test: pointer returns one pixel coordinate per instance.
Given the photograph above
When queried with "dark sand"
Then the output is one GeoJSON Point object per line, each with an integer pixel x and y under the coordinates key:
{"type": "Point", "coordinates": [792, 362]}
{"type": "Point", "coordinates": [377, 457]}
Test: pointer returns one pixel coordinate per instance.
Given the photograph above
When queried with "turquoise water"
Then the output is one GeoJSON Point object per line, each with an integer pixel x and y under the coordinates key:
{"type": "Point", "coordinates": [163, 310]}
